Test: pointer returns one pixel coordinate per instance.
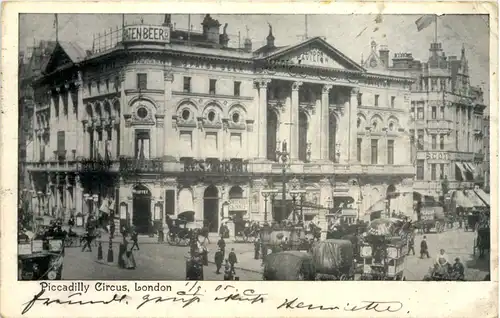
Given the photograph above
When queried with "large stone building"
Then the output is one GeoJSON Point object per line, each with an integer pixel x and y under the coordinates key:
{"type": "Point", "coordinates": [447, 121]}
{"type": "Point", "coordinates": [164, 121]}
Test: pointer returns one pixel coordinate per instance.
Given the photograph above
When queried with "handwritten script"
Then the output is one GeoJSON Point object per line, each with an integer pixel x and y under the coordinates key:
{"type": "Point", "coordinates": [193, 293]}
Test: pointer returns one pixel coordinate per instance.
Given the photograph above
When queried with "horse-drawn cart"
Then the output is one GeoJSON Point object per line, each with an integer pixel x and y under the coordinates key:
{"type": "Point", "coordinates": [334, 260]}
{"type": "Point", "coordinates": [289, 265]}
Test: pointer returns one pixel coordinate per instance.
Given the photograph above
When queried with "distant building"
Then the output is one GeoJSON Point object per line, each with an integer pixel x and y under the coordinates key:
{"type": "Point", "coordinates": [447, 115]}
{"type": "Point", "coordinates": [486, 151]}
{"type": "Point", "coordinates": [165, 121]}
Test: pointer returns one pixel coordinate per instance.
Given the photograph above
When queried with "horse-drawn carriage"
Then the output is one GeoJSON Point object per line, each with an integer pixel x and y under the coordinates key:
{"type": "Point", "coordinates": [40, 258]}
{"type": "Point", "coordinates": [471, 221]}
{"type": "Point", "coordinates": [181, 229]}
{"type": "Point", "coordinates": [334, 260]}
{"type": "Point", "coordinates": [289, 265]}
{"type": "Point", "coordinates": [249, 231]}
{"type": "Point", "coordinates": [383, 252]}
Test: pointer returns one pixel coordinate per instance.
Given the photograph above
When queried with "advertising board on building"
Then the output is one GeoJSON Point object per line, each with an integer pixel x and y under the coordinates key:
{"type": "Point", "coordinates": [146, 33]}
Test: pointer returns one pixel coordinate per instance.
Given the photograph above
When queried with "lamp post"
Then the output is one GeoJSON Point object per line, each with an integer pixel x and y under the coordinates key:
{"type": "Point", "coordinates": [267, 193]}
{"type": "Point", "coordinates": [283, 155]}
{"type": "Point", "coordinates": [295, 193]}
{"type": "Point", "coordinates": [359, 207]}
{"type": "Point", "coordinates": [48, 203]}
{"type": "Point", "coordinates": [387, 207]}
{"type": "Point", "coordinates": [39, 196]}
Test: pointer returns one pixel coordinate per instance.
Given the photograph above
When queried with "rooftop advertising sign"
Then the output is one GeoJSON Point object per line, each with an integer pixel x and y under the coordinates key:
{"type": "Point", "coordinates": [146, 33]}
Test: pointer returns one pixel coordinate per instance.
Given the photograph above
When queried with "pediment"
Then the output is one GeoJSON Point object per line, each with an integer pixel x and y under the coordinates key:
{"type": "Point", "coordinates": [315, 52]}
{"type": "Point", "coordinates": [58, 58]}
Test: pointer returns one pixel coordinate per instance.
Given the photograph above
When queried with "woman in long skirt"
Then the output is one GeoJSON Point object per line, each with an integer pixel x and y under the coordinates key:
{"type": "Point", "coordinates": [130, 260]}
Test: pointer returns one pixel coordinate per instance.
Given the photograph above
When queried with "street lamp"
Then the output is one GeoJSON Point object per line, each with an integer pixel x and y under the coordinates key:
{"type": "Point", "coordinates": [387, 208]}
{"type": "Point", "coordinates": [266, 193]}
{"type": "Point", "coordinates": [283, 155]}
{"type": "Point", "coordinates": [39, 196]}
{"type": "Point", "coordinates": [359, 207]}
{"type": "Point", "coordinates": [295, 193]}
{"type": "Point", "coordinates": [48, 202]}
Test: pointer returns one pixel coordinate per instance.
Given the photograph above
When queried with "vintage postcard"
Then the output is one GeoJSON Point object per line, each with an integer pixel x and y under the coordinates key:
{"type": "Point", "coordinates": [340, 152]}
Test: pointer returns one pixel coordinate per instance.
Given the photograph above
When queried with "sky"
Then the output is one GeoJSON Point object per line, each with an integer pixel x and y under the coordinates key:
{"type": "Point", "coordinates": [351, 34]}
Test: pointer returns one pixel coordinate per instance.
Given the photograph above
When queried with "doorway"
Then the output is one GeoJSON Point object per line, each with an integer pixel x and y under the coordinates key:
{"type": "Point", "coordinates": [211, 209]}
{"type": "Point", "coordinates": [141, 209]}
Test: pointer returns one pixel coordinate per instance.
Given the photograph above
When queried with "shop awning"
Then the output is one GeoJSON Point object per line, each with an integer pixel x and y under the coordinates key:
{"type": "Point", "coordinates": [474, 199]}
{"type": "Point", "coordinates": [462, 201]}
{"type": "Point", "coordinates": [461, 168]}
{"type": "Point", "coordinates": [483, 196]}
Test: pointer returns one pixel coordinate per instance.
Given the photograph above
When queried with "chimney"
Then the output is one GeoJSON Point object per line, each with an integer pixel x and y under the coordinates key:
{"type": "Point", "coordinates": [384, 55]}
{"type": "Point", "coordinates": [247, 45]}
{"type": "Point", "coordinates": [270, 37]}
{"type": "Point", "coordinates": [168, 20]}
{"type": "Point", "coordinates": [211, 29]}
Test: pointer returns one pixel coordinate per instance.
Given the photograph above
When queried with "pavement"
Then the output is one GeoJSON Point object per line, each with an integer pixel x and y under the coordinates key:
{"type": "Point", "coordinates": [161, 261]}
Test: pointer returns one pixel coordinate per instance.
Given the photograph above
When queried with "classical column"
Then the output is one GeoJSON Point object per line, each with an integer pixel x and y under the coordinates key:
{"type": "Point", "coordinates": [121, 120]}
{"type": "Point", "coordinates": [262, 117]}
{"type": "Point", "coordinates": [294, 121]}
{"type": "Point", "coordinates": [170, 137]}
{"type": "Point", "coordinates": [353, 114]}
{"type": "Point", "coordinates": [324, 122]}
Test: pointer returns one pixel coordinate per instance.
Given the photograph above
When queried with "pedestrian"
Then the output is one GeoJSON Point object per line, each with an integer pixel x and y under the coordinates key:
{"type": "Point", "coordinates": [264, 250]}
{"type": "Point", "coordinates": [442, 259]}
{"type": "Point", "coordinates": [222, 245]}
{"type": "Point", "coordinates": [232, 259]}
{"type": "Point", "coordinates": [458, 270]}
{"type": "Point", "coordinates": [256, 246]}
{"type": "Point", "coordinates": [219, 258]}
{"type": "Point", "coordinates": [88, 240]}
{"type": "Point", "coordinates": [221, 230]}
{"type": "Point", "coordinates": [135, 238]}
{"type": "Point", "coordinates": [228, 272]}
{"type": "Point", "coordinates": [99, 251]}
{"type": "Point", "coordinates": [424, 249]}
{"type": "Point", "coordinates": [71, 221]}
{"type": "Point", "coordinates": [122, 251]}
{"type": "Point", "coordinates": [411, 244]}
{"type": "Point", "coordinates": [129, 259]}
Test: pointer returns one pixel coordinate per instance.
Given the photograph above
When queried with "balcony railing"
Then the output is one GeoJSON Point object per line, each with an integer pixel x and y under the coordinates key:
{"type": "Point", "coordinates": [94, 165]}
{"type": "Point", "coordinates": [440, 124]}
{"type": "Point", "coordinates": [141, 165]}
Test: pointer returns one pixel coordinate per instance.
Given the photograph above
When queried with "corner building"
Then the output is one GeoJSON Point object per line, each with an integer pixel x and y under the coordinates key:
{"type": "Point", "coordinates": [187, 123]}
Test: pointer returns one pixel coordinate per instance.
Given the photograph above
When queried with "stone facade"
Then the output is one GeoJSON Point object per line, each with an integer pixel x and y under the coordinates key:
{"type": "Point", "coordinates": [163, 128]}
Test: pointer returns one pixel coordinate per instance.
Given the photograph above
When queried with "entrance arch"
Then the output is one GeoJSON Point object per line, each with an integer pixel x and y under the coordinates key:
{"type": "Point", "coordinates": [141, 209]}
{"type": "Point", "coordinates": [211, 208]}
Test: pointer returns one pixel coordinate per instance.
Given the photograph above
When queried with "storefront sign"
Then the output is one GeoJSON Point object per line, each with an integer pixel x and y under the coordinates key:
{"type": "Point", "coordinates": [238, 204]}
{"type": "Point", "coordinates": [146, 33]}
{"type": "Point", "coordinates": [437, 156]}
{"type": "Point", "coordinates": [140, 192]}
{"type": "Point", "coordinates": [215, 166]}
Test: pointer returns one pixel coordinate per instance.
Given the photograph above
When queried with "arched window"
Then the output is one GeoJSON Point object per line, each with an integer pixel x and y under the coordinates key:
{"type": "Point", "coordinates": [236, 192]}
{"type": "Point", "coordinates": [185, 200]}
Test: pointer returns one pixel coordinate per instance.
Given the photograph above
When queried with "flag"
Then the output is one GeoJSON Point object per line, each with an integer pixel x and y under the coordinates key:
{"type": "Point", "coordinates": [424, 21]}
{"type": "Point", "coordinates": [55, 20]}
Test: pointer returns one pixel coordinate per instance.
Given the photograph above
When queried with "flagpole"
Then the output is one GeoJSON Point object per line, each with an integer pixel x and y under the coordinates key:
{"type": "Point", "coordinates": [306, 26]}
{"type": "Point", "coordinates": [189, 28]}
{"type": "Point", "coordinates": [56, 24]}
{"type": "Point", "coordinates": [436, 28]}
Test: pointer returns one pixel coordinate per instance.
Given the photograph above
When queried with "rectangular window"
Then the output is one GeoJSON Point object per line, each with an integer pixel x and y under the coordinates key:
{"type": "Point", "coordinates": [420, 113]}
{"type": "Point", "coordinates": [390, 152]}
{"type": "Point", "coordinates": [420, 169]}
{"type": "Point", "coordinates": [186, 140]}
{"type": "Point", "coordinates": [374, 150]}
{"type": "Point", "coordinates": [211, 89]}
{"type": "Point", "coordinates": [433, 112]}
{"type": "Point", "coordinates": [456, 139]}
{"type": "Point", "coordinates": [237, 86]}
{"type": "Point", "coordinates": [142, 81]}
{"type": "Point", "coordinates": [420, 139]}
{"type": "Point", "coordinates": [433, 84]}
{"type": "Point", "coordinates": [441, 142]}
{"type": "Point", "coordinates": [393, 101]}
{"type": "Point", "coordinates": [107, 85]}
{"type": "Point", "coordinates": [142, 145]}
{"type": "Point", "coordinates": [433, 171]}
{"type": "Point", "coordinates": [360, 99]}
{"type": "Point", "coordinates": [441, 112]}
{"type": "Point", "coordinates": [376, 100]}
{"type": "Point", "coordinates": [358, 154]}
{"type": "Point", "coordinates": [434, 142]}
{"type": "Point", "coordinates": [187, 84]}
{"type": "Point", "coordinates": [441, 168]}
{"type": "Point", "coordinates": [89, 88]}
{"type": "Point", "coordinates": [61, 139]}
{"type": "Point", "coordinates": [443, 84]}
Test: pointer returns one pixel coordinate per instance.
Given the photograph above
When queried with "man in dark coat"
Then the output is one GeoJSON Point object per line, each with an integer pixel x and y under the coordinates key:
{"type": "Point", "coordinates": [256, 248]}
{"type": "Point", "coordinates": [228, 272]}
{"type": "Point", "coordinates": [135, 238]}
{"type": "Point", "coordinates": [87, 241]}
{"type": "Point", "coordinates": [112, 229]}
{"type": "Point", "coordinates": [222, 245]}
{"type": "Point", "coordinates": [458, 270]}
{"type": "Point", "coordinates": [232, 259]}
{"type": "Point", "coordinates": [424, 249]}
{"type": "Point", "coordinates": [219, 258]}
{"type": "Point", "coordinates": [411, 244]}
